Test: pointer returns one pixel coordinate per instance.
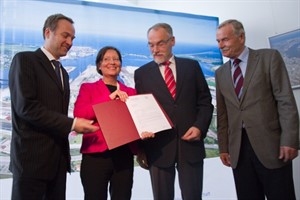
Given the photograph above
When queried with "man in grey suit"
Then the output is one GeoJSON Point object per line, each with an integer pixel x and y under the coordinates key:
{"type": "Point", "coordinates": [40, 154]}
{"type": "Point", "coordinates": [189, 109]}
{"type": "Point", "coordinates": [258, 125]}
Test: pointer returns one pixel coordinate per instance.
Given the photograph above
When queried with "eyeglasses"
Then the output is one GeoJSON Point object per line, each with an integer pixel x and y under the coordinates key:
{"type": "Point", "coordinates": [160, 44]}
{"type": "Point", "coordinates": [111, 59]}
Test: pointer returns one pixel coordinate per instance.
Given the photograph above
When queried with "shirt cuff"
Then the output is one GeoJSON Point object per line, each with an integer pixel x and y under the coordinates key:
{"type": "Point", "coordinates": [73, 125]}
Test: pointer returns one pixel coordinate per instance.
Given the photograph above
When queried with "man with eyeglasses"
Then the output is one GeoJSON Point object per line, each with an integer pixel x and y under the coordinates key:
{"type": "Point", "coordinates": [188, 105]}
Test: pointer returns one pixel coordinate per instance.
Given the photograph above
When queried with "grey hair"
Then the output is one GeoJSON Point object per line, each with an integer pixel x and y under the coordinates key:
{"type": "Point", "coordinates": [165, 26]}
{"type": "Point", "coordinates": [237, 26]}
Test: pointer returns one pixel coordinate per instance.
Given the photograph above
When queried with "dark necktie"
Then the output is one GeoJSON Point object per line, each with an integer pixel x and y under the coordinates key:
{"type": "Point", "coordinates": [57, 65]}
{"type": "Point", "coordinates": [169, 79]}
{"type": "Point", "coordinates": [238, 79]}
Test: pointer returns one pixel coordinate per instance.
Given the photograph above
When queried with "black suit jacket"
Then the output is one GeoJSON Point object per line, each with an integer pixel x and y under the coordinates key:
{"type": "Point", "coordinates": [40, 126]}
{"type": "Point", "coordinates": [191, 107]}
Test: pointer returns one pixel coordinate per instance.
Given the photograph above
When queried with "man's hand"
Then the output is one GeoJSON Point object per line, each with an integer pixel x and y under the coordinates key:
{"type": "Point", "coordinates": [193, 134]}
{"type": "Point", "coordinates": [142, 159]}
{"type": "Point", "coordinates": [146, 135]}
{"type": "Point", "coordinates": [225, 158]}
{"type": "Point", "coordinates": [287, 153]}
{"type": "Point", "coordinates": [84, 126]}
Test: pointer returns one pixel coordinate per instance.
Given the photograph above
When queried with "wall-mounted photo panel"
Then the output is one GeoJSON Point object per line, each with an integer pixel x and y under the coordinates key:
{"type": "Point", "coordinates": [98, 25]}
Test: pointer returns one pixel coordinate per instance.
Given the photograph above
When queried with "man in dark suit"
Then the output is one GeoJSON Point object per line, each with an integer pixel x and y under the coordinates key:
{"type": "Point", "coordinates": [190, 110]}
{"type": "Point", "coordinates": [258, 128]}
{"type": "Point", "coordinates": [40, 154]}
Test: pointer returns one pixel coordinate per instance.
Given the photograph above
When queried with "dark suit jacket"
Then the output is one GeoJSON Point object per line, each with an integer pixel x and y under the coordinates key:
{"type": "Point", "coordinates": [267, 107]}
{"type": "Point", "coordinates": [191, 107]}
{"type": "Point", "coordinates": [40, 125]}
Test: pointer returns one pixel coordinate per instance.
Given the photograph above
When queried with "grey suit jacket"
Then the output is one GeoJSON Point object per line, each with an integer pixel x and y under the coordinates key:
{"type": "Point", "coordinates": [40, 128]}
{"type": "Point", "coordinates": [267, 108]}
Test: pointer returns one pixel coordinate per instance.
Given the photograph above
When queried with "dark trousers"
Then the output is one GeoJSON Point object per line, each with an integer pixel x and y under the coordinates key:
{"type": "Point", "coordinates": [190, 177]}
{"type": "Point", "coordinates": [253, 181]}
{"type": "Point", "coordinates": [111, 171]}
{"type": "Point", "coordinates": [26, 188]}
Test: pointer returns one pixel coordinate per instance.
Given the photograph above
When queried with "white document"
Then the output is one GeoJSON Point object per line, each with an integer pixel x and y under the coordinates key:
{"type": "Point", "coordinates": [147, 114]}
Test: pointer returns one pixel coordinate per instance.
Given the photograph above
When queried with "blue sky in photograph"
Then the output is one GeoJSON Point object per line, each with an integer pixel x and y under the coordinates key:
{"type": "Point", "coordinates": [126, 22]}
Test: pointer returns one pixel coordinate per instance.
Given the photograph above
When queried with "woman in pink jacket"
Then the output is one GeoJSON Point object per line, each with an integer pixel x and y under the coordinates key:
{"type": "Point", "coordinates": [101, 167]}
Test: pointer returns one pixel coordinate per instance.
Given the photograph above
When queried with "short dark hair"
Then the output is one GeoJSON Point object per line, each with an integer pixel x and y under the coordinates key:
{"type": "Point", "coordinates": [101, 54]}
{"type": "Point", "coordinates": [52, 20]}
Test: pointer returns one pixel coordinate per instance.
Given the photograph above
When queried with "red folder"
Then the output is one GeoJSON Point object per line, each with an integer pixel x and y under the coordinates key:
{"type": "Point", "coordinates": [116, 123]}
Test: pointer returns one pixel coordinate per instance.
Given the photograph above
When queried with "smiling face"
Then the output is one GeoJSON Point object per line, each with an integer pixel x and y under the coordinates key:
{"type": "Point", "coordinates": [110, 64]}
{"type": "Point", "coordinates": [230, 43]}
{"type": "Point", "coordinates": [59, 41]}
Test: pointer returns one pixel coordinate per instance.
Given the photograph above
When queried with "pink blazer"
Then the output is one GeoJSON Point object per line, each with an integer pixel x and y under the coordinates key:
{"type": "Point", "coordinates": [90, 94]}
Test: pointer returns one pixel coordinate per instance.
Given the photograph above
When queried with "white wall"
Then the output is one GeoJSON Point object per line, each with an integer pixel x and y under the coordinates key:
{"type": "Point", "coordinates": [261, 19]}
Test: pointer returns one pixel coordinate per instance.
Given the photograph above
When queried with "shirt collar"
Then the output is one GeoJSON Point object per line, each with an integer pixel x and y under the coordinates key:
{"type": "Point", "coordinates": [172, 60]}
{"type": "Point", "coordinates": [243, 56]}
{"type": "Point", "coordinates": [48, 54]}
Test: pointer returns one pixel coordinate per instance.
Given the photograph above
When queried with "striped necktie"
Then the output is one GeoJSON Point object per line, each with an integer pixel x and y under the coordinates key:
{"type": "Point", "coordinates": [238, 79]}
{"type": "Point", "coordinates": [169, 79]}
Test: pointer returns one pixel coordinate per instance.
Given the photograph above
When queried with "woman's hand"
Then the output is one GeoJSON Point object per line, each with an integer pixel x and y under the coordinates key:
{"type": "Point", "coordinates": [118, 94]}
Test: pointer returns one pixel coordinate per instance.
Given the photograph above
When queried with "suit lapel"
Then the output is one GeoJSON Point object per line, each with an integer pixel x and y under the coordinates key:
{"type": "Point", "coordinates": [46, 64]}
{"type": "Point", "coordinates": [251, 67]}
{"type": "Point", "coordinates": [158, 80]}
{"type": "Point", "coordinates": [227, 78]}
{"type": "Point", "coordinates": [104, 89]}
{"type": "Point", "coordinates": [180, 75]}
